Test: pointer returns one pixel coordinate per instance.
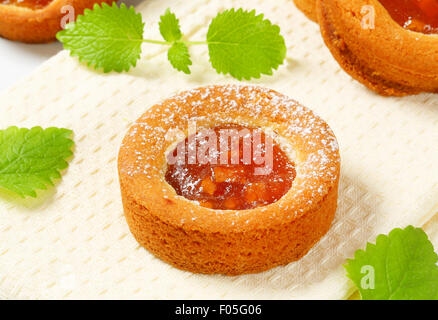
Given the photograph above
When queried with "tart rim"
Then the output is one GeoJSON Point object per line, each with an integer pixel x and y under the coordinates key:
{"type": "Point", "coordinates": [308, 7]}
{"type": "Point", "coordinates": [13, 7]}
{"type": "Point", "coordinates": [224, 221]}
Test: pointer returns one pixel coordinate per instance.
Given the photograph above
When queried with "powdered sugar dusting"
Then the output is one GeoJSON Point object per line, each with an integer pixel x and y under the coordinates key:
{"type": "Point", "coordinates": [313, 142]}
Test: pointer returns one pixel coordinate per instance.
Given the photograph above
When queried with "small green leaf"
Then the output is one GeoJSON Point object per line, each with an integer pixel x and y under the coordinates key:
{"type": "Point", "coordinates": [106, 37]}
{"type": "Point", "coordinates": [179, 57]}
{"type": "Point", "coordinates": [400, 266]}
{"type": "Point", "coordinates": [30, 159]}
{"type": "Point", "coordinates": [169, 27]}
{"type": "Point", "coordinates": [244, 45]}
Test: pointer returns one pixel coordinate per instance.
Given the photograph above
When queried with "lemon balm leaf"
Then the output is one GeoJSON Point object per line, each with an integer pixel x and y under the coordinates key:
{"type": "Point", "coordinates": [179, 57]}
{"type": "Point", "coordinates": [400, 266]}
{"type": "Point", "coordinates": [30, 159]}
{"type": "Point", "coordinates": [169, 27]}
{"type": "Point", "coordinates": [178, 53]}
{"type": "Point", "coordinates": [244, 45]}
{"type": "Point", "coordinates": [107, 37]}
{"type": "Point", "coordinates": [240, 43]}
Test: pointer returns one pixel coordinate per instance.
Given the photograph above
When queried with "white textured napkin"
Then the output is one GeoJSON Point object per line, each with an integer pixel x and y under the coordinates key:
{"type": "Point", "coordinates": [74, 242]}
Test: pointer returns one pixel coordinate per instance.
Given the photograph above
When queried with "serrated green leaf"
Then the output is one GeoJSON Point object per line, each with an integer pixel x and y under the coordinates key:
{"type": "Point", "coordinates": [108, 37]}
{"type": "Point", "coordinates": [179, 57]}
{"type": "Point", "coordinates": [169, 27]}
{"type": "Point", "coordinates": [244, 45]}
{"type": "Point", "coordinates": [400, 266]}
{"type": "Point", "coordinates": [30, 159]}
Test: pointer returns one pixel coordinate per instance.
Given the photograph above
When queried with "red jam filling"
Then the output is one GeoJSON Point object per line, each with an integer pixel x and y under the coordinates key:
{"type": "Point", "coordinates": [415, 15]}
{"type": "Point", "coordinates": [251, 173]}
{"type": "Point", "coordinates": [31, 4]}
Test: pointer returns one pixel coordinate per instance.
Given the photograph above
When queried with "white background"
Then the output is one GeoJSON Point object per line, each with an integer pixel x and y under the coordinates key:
{"type": "Point", "coordinates": [19, 59]}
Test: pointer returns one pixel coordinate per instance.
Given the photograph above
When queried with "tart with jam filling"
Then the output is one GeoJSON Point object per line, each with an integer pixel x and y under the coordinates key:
{"type": "Point", "coordinates": [37, 21]}
{"type": "Point", "coordinates": [229, 179]}
{"type": "Point", "coordinates": [396, 54]}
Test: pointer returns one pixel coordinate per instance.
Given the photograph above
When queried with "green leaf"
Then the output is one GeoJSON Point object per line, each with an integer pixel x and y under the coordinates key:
{"type": "Point", "coordinates": [240, 42]}
{"type": "Point", "coordinates": [31, 158]}
{"type": "Point", "coordinates": [179, 57]}
{"type": "Point", "coordinates": [178, 53]}
{"type": "Point", "coordinates": [399, 266]}
{"type": "Point", "coordinates": [169, 27]}
{"type": "Point", "coordinates": [106, 37]}
{"type": "Point", "coordinates": [244, 45]}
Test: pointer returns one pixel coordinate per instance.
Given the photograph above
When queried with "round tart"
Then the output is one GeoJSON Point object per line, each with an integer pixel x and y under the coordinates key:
{"type": "Point", "coordinates": [37, 21]}
{"type": "Point", "coordinates": [396, 55]}
{"type": "Point", "coordinates": [236, 215]}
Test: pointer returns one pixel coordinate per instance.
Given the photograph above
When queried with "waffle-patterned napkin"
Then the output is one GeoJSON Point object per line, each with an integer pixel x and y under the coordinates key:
{"type": "Point", "coordinates": [74, 242]}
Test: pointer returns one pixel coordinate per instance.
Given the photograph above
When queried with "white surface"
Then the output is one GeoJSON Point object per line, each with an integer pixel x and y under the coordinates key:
{"type": "Point", "coordinates": [19, 59]}
{"type": "Point", "coordinates": [74, 242]}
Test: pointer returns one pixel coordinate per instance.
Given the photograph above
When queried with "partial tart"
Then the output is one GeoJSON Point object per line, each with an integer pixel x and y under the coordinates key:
{"type": "Point", "coordinates": [37, 21]}
{"type": "Point", "coordinates": [396, 54]}
{"type": "Point", "coordinates": [221, 217]}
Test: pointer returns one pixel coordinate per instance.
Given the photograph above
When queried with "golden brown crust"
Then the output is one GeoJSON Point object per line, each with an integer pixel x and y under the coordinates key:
{"type": "Point", "coordinates": [387, 59]}
{"type": "Point", "coordinates": [38, 26]}
{"type": "Point", "coordinates": [308, 7]}
{"type": "Point", "coordinates": [202, 240]}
